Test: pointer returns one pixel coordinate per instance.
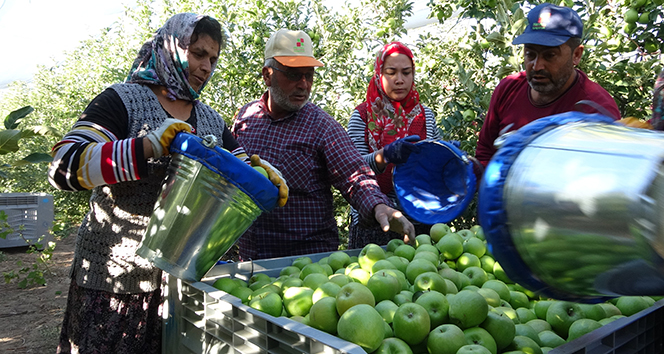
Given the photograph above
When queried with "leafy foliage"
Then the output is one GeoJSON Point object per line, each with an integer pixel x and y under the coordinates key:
{"type": "Point", "coordinates": [459, 60]}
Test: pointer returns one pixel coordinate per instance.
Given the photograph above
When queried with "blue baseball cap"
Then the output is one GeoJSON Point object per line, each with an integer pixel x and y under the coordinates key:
{"type": "Point", "coordinates": [551, 26]}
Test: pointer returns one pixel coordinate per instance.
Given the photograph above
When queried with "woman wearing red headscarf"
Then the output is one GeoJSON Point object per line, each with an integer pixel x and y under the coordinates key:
{"type": "Point", "coordinates": [384, 128]}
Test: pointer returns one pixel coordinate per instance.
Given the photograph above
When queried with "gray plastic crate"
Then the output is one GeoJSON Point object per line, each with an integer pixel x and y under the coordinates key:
{"type": "Point", "coordinates": [640, 333]}
{"type": "Point", "coordinates": [202, 320]}
{"type": "Point", "coordinates": [30, 214]}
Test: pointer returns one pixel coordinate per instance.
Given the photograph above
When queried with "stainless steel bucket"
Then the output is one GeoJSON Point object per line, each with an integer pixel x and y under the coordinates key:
{"type": "Point", "coordinates": [572, 206]}
{"type": "Point", "coordinates": [208, 201]}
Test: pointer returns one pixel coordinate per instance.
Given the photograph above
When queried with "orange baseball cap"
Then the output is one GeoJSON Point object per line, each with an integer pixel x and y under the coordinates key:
{"type": "Point", "coordinates": [291, 48]}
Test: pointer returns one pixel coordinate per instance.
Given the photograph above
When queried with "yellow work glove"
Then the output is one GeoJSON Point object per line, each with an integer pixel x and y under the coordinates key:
{"type": "Point", "coordinates": [274, 176]}
{"type": "Point", "coordinates": [162, 137]}
{"type": "Point", "coordinates": [635, 123]}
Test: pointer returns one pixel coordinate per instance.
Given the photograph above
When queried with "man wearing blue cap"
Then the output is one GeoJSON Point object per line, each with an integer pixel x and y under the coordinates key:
{"type": "Point", "coordinates": [550, 84]}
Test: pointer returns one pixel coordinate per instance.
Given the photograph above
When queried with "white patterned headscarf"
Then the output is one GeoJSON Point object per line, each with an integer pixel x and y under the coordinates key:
{"type": "Point", "coordinates": [163, 59]}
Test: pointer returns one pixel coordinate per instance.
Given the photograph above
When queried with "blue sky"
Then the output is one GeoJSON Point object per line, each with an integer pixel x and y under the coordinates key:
{"type": "Point", "coordinates": [39, 32]}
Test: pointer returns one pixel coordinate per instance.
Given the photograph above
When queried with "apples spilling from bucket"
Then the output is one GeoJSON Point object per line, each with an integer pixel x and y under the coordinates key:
{"type": "Point", "coordinates": [443, 294]}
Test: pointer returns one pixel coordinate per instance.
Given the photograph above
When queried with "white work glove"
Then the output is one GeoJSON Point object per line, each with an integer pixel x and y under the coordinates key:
{"type": "Point", "coordinates": [274, 176]}
{"type": "Point", "coordinates": [162, 137]}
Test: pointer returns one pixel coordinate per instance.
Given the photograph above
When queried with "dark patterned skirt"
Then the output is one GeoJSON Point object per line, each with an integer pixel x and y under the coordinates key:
{"type": "Point", "coordinates": [102, 322]}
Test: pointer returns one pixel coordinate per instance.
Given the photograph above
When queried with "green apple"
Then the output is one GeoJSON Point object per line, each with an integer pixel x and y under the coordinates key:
{"type": "Point", "coordinates": [452, 275]}
{"type": "Point", "coordinates": [499, 287]}
{"type": "Point", "coordinates": [393, 345]}
{"type": "Point", "coordinates": [338, 260]}
{"type": "Point", "coordinates": [417, 267]}
{"type": "Point", "coordinates": [549, 338]}
{"type": "Point", "coordinates": [267, 288]}
{"type": "Point", "coordinates": [242, 293]}
{"type": "Point", "coordinates": [386, 309]}
{"type": "Point", "coordinates": [436, 305]}
{"type": "Point", "coordinates": [476, 275]}
{"type": "Point", "coordinates": [467, 260]}
{"type": "Point", "coordinates": [475, 246]}
{"type": "Point", "coordinates": [314, 280]}
{"type": "Point", "coordinates": [353, 294]}
{"type": "Point", "coordinates": [487, 263]}
{"type": "Point", "coordinates": [268, 302]}
{"type": "Point", "coordinates": [290, 283]}
{"type": "Point", "coordinates": [479, 232]}
{"type": "Point", "coordinates": [389, 333]}
{"type": "Point", "coordinates": [241, 282]}
{"type": "Point", "coordinates": [259, 284]}
{"type": "Point", "coordinates": [518, 299]}
{"type": "Point", "coordinates": [445, 339]}
{"type": "Point", "coordinates": [369, 255]}
{"type": "Point", "coordinates": [328, 289]}
{"type": "Point", "coordinates": [411, 323]}
{"type": "Point", "coordinates": [465, 234]}
{"type": "Point", "coordinates": [473, 349]}
{"type": "Point", "coordinates": [438, 230]}
{"type": "Point", "coordinates": [301, 319]}
{"type": "Point", "coordinates": [399, 262]}
{"type": "Point", "coordinates": [350, 267]}
{"type": "Point", "coordinates": [323, 315]}
{"type": "Point", "coordinates": [340, 279]}
{"type": "Point", "coordinates": [422, 239]}
{"type": "Point", "coordinates": [383, 286]}
{"type": "Point", "coordinates": [605, 321]}
{"type": "Point", "coordinates": [403, 297]}
{"type": "Point", "coordinates": [561, 315]}
{"type": "Point", "coordinates": [225, 284]}
{"type": "Point", "coordinates": [500, 327]}
{"type": "Point", "coordinates": [259, 277]}
{"type": "Point", "coordinates": [362, 325]}
{"type": "Point", "coordinates": [393, 244]}
{"type": "Point", "coordinates": [327, 268]}
{"type": "Point", "coordinates": [541, 307]}
{"type": "Point", "coordinates": [312, 268]}
{"type": "Point", "coordinates": [525, 330]}
{"type": "Point", "coordinates": [491, 296]}
{"type": "Point", "coordinates": [480, 336]}
{"type": "Point", "coordinates": [464, 281]}
{"type": "Point", "coordinates": [593, 311]}
{"type": "Point", "coordinates": [451, 287]}
{"type": "Point", "coordinates": [467, 309]}
{"type": "Point", "coordinates": [525, 345]}
{"type": "Point", "coordinates": [300, 262]}
{"type": "Point", "coordinates": [382, 264]}
{"type": "Point", "coordinates": [630, 305]}
{"type": "Point", "coordinates": [581, 327]}
{"type": "Point", "coordinates": [500, 274]}
{"type": "Point", "coordinates": [429, 256]}
{"type": "Point", "coordinates": [430, 281]}
{"type": "Point", "coordinates": [610, 309]}
{"type": "Point", "coordinates": [539, 325]}
{"type": "Point", "coordinates": [450, 247]}
{"type": "Point", "coordinates": [406, 251]}
{"type": "Point", "coordinates": [471, 287]}
{"type": "Point", "coordinates": [525, 314]}
{"type": "Point", "coordinates": [298, 300]}
{"type": "Point", "coordinates": [509, 312]}
{"type": "Point", "coordinates": [360, 275]}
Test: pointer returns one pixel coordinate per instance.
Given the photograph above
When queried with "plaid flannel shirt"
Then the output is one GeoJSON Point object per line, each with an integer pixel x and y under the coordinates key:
{"type": "Point", "coordinates": [313, 152]}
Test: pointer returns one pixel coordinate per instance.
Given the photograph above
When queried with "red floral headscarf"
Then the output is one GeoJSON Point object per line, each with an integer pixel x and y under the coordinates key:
{"type": "Point", "coordinates": [388, 120]}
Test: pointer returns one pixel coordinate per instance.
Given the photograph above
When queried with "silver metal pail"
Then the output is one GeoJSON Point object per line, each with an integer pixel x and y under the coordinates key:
{"type": "Point", "coordinates": [572, 208]}
{"type": "Point", "coordinates": [208, 200]}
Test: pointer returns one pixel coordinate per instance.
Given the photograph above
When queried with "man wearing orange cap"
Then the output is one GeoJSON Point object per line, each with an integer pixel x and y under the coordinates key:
{"type": "Point", "coordinates": [312, 151]}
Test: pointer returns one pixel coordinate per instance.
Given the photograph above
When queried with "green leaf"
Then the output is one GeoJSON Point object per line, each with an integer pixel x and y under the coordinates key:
{"type": "Point", "coordinates": [13, 119]}
{"type": "Point", "coordinates": [9, 141]}
{"type": "Point", "coordinates": [35, 157]}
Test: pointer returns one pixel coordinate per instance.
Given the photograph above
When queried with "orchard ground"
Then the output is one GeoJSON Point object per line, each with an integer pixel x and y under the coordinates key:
{"type": "Point", "coordinates": [31, 318]}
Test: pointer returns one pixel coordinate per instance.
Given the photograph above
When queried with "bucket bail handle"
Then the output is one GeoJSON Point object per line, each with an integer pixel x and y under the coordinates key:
{"type": "Point", "coordinates": [209, 141]}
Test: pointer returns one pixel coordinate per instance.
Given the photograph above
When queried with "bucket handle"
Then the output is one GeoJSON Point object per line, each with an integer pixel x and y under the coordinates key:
{"type": "Point", "coordinates": [595, 106]}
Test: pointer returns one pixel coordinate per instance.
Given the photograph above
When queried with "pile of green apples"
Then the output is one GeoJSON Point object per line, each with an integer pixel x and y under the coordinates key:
{"type": "Point", "coordinates": [444, 294]}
